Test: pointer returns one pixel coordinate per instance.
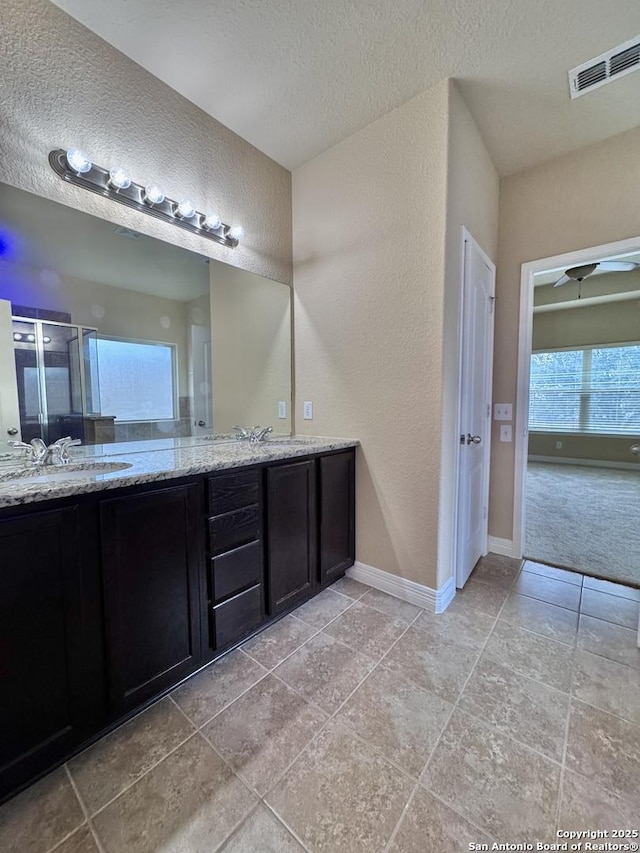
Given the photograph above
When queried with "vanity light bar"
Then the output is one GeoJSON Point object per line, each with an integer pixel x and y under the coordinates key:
{"type": "Point", "coordinates": [75, 167]}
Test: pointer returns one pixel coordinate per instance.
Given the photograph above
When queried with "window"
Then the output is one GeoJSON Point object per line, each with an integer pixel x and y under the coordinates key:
{"type": "Point", "coordinates": [591, 389]}
{"type": "Point", "coordinates": [137, 380]}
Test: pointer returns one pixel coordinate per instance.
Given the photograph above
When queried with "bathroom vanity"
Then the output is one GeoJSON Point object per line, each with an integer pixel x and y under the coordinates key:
{"type": "Point", "coordinates": [116, 587]}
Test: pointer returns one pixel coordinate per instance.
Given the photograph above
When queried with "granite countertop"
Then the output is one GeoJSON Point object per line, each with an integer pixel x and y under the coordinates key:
{"type": "Point", "coordinates": [152, 462]}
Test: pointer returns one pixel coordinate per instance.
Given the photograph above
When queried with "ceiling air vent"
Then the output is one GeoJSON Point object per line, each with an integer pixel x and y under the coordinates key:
{"type": "Point", "coordinates": [603, 69]}
{"type": "Point", "coordinates": [121, 231]}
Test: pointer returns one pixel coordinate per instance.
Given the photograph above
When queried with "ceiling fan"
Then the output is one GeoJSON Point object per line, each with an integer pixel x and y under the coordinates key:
{"type": "Point", "coordinates": [580, 273]}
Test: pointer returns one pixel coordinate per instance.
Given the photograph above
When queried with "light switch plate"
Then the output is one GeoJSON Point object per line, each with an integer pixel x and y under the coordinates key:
{"type": "Point", "coordinates": [503, 411]}
{"type": "Point", "coordinates": [282, 409]}
{"type": "Point", "coordinates": [505, 432]}
{"type": "Point", "coordinates": [308, 410]}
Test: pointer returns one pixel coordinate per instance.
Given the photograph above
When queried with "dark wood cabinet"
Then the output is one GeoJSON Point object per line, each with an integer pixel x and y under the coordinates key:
{"type": "Point", "coordinates": [291, 534]}
{"type": "Point", "coordinates": [50, 697]}
{"type": "Point", "coordinates": [109, 600]}
{"type": "Point", "coordinates": [337, 514]}
{"type": "Point", "coordinates": [151, 553]}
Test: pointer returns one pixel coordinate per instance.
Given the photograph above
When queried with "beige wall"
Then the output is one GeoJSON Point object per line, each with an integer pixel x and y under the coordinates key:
{"type": "Point", "coordinates": [251, 347]}
{"type": "Point", "coordinates": [472, 202]}
{"type": "Point", "coordinates": [372, 246]}
{"type": "Point", "coordinates": [62, 85]}
{"type": "Point", "coordinates": [584, 199]}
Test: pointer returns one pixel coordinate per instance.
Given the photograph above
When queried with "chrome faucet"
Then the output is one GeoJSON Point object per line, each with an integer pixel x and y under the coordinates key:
{"type": "Point", "coordinates": [254, 434]}
{"type": "Point", "coordinates": [55, 454]}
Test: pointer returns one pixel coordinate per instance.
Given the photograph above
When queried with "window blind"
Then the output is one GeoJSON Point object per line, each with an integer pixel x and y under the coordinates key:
{"type": "Point", "coordinates": [590, 389]}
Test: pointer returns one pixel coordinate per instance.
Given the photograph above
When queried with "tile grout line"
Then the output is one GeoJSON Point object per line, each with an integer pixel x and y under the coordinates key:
{"type": "Point", "coordinates": [565, 746]}
{"type": "Point", "coordinates": [418, 784]}
{"type": "Point", "coordinates": [85, 810]}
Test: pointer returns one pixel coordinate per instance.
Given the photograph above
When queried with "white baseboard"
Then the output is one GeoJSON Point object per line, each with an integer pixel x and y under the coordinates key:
{"type": "Point", "coordinates": [589, 463]}
{"type": "Point", "coordinates": [504, 547]}
{"type": "Point", "coordinates": [435, 600]}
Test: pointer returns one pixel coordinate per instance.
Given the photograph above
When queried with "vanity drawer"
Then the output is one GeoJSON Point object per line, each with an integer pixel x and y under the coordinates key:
{"type": "Point", "coordinates": [236, 570]}
{"type": "Point", "coordinates": [236, 618]}
{"type": "Point", "coordinates": [233, 491]}
{"type": "Point", "coordinates": [233, 529]}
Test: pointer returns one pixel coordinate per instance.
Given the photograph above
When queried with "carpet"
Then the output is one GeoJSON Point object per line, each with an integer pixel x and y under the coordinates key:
{"type": "Point", "coordinates": [584, 518]}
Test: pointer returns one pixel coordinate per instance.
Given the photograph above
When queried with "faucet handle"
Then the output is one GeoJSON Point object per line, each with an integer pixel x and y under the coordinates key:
{"type": "Point", "coordinates": [242, 432]}
{"type": "Point", "coordinates": [62, 446]}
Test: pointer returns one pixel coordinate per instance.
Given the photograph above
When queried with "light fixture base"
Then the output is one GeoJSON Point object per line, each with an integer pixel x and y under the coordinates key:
{"type": "Point", "coordinates": [96, 180]}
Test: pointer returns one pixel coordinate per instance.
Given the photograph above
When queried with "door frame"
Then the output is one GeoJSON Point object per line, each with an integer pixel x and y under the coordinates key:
{"type": "Point", "coordinates": [465, 238]}
{"type": "Point", "coordinates": [525, 338]}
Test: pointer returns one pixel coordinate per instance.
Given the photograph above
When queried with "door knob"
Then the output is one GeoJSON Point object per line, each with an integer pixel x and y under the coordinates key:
{"type": "Point", "coordinates": [473, 439]}
{"type": "Point", "coordinates": [12, 431]}
{"type": "Point", "coordinates": [202, 423]}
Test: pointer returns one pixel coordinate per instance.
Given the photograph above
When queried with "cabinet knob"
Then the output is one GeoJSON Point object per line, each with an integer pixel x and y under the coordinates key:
{"type": "Point", "coordinates": [12, 431]}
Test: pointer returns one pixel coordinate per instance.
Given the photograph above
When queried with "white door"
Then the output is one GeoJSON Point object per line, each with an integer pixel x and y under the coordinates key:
{"type": "Point", "coordinates": [9, 411]}
{"type": "Point", "coordinates": [202, 416]}
{"type": "Point", "coordinates": [475, 408]}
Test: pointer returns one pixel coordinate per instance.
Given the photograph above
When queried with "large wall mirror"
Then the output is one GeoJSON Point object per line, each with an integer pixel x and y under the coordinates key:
{"type": "Point", "coordinates": [108, 335]}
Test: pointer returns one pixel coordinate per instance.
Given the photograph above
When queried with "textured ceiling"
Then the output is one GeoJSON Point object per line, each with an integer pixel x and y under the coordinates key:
{"type": "Point", "coordinates": [294, 77]}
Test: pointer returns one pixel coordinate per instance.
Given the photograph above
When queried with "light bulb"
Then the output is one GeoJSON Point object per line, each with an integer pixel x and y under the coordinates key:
{"type": "Point", "coordinates": [31, 338]}
{"type": "Point", "coordinates": [153, 194]}
{"type": "Point", "coordinates": [47, 339]}
{"type": "Point", "coordinates": [185, 210]}
{"type": "Point", "coordinates": [17, 336]}
{"type": "Point", "coordinates": [237, 232]}
{"type": "Point", "coordinates": [78, 161]}
{"type": "Point", "coordinates": [119, 178]}
{"type": "Point", "coordinates": [212, 221]}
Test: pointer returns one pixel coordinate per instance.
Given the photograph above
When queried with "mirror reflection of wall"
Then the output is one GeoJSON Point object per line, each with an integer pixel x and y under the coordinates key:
{"type": "Point", "coordinates": [111, 333]}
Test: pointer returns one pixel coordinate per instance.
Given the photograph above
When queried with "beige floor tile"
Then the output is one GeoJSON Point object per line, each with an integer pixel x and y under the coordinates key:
{"type": "Point", "coordinates": [436, 665]}
{"type": "Point", "coordinates": [612, 588]}
{"type": "Point", "coordinates": [552, 572]}
{"type": "Point", "coordinates": [207, 693]}
{"type": "Point", "coordinates": [41, 816]}
{"type": "Point", "coordinates": [604, 748]}
{"type": "Point", "coordinates": [610, 686]}
{"type": "Point", "coordinates": [430, 826]}
{"type": "Point", "coordinates": [483, 597]}
{"type": "Point", "coordinates": [262, 732]}
{"type": "Point", "coordinates": [276, 643]}
{"type": "Point", "coordinates": [340, 796]}
{"type": "Point", "coordinates": [611, 608]}
{"type": "Point", "coordinates": [319, 611]}
{"type": "Point", "coordinates": [549, 590]}
{"type": "Point", "coordinates": [527, 710]}
{"type": "Point", "coordinates": [189, 802]}
{"type": "Point", "coordinates": [263, 832]}
{"type": "Point", "coordinates": [80, 842]}
{"type": "Point", "coordinates": [117, 760]}
{"type": "Point", "coordinates": [366, 630]}
{"type": "Point", "coordinates": [556, 623]}
{"type": "Point", "coordinates": [531, 655]}
{"type": "Point", "coordinates": [347, 586]}
{"type": "Point", "coordinates": [458, 624]}
{"type": "Point", "coordinates": [495, 569]}
{"type": "Point", "coordinates": [398, 718]}
{"type": "Point", "coordinates": [609, 640]}
{"type": "Point", "coordinates": [325, 671]}
{"type": "Point", "coordinates": [585, 804]}
{"type": "Point", "coordinates": [499, 785]}
{"type": "Point", "coordinates": [391, 605]}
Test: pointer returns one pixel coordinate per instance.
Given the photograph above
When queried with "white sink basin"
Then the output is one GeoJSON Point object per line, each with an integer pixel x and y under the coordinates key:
{"type": "Point", "coordinates": [61, 473]}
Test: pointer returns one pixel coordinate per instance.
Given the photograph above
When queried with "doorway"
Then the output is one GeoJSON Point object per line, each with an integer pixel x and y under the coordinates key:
{"type": "Point", "coordinates": [577, 472]}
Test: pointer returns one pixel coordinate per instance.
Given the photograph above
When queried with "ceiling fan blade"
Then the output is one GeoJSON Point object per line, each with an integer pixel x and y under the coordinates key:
{"type": "Point", "coordinates": [563, 280]}
{"type": "Point", "coordinates": [616, 266]}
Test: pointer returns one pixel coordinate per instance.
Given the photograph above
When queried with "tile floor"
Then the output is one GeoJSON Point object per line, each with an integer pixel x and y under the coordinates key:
{"type": "Point", "coordinates": [362, 723]}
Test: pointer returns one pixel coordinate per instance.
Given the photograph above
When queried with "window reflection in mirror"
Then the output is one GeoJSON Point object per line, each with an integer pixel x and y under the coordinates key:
{"type": "Point", "coordinates": [113, 336]}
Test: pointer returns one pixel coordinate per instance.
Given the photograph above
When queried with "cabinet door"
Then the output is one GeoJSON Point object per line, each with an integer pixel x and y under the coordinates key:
{"type": "Point", "coordinates": [291, 534]}
{"type": "Point", "coordinates": [337, 515]}
{"type": "Point", "coordinates": [152, 553]}
{"type": "Point", "coordinates": [47, 634]}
